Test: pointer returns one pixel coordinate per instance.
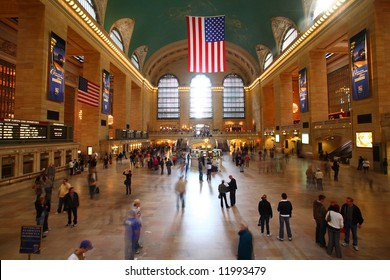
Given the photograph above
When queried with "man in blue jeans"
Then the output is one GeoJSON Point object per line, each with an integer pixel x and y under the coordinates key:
{"type": "Point", "coordinates": [285, 211]}
{"type": "Point", "coordinates": [353, 220]}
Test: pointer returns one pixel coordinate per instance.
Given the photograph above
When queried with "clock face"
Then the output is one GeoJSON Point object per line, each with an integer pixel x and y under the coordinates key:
{"type": "Point", "coordinates": [295, 108]}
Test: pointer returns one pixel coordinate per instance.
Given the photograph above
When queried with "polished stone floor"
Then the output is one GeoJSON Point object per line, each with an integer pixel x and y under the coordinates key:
{"type": "Point", "coordinates": [201, 231]}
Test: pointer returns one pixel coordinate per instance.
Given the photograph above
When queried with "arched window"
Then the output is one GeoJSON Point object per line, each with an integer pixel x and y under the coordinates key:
{"type": "Point", "coordinates": [233, 97]}
{"type": "Point", "coordinates": [89, 6]}
{"type": "Point", "coordinates": [117, 38]}
{"type": "Point", "coordinates": [268, 60]}
{"type": "Point", "coordinates": [201, 102]}
{"type": "Point", "coordinates": [135, 61]}
{"type": "Point", "coordinates": [289, 37]}
{"type": "Point", "coordinates": [168, 100]}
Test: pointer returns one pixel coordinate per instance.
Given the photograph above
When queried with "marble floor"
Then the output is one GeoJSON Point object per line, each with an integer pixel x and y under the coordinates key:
{"type": "Point", "coordinates": [201, 231]}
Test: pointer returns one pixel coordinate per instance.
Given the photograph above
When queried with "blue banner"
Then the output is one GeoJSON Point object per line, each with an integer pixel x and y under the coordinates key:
{"type": "Point", "coordinates": [106, 102]}
{"type": "Point", "coordinates": [303, 93]}
{"type": "Point", "coordinates": [57, 73]}
{"type": "Point", "coordinates": [360, 74]}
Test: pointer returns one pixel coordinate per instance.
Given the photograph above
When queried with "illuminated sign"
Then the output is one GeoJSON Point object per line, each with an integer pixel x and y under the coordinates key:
{"type": "Point", "coordinates": [364, 139]}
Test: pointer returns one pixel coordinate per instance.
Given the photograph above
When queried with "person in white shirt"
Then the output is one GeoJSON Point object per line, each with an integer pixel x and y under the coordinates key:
{"type": "Point", "coordinates": [335, 224]}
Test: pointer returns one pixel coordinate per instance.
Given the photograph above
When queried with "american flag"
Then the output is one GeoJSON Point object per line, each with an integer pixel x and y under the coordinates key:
{"type": "Point", "coordinates": [88, 92]}
{"type": "Point", "coordinates": [206, 44]}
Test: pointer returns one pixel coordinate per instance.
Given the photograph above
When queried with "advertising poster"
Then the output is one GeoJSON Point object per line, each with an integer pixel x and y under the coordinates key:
{"type": "Point", "coordinates": [106, 104]}
{"type": "Point", "coordinates": [359, 64]}
{"type": "Point", "coordinates": [303, 94]}
{"type": "Point", "coordinates": [56, 73]}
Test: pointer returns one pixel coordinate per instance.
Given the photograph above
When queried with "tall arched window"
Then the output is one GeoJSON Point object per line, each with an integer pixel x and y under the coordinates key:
{"type": "Point", "coordinates": [233, 97]}
{"type": "Point", "coordinates": [201, 102]}
{"type": "Point", "coordinates": [89, 6]}
{"type": "Point", "coordinates": [168, 100]}
{"type": "Point", "coordinates": [268, 60]}
{"type": "Point", "coordinates": [289, 37]}
{"type": "Point", "coordinates": [135, 61]}
{"type": "Point", "coordinates": [117, 38]}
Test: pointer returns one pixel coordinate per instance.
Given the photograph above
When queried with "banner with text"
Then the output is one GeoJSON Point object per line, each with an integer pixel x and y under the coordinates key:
{"type": "Point", "coordinates": [57, 73]}
{"type": "Point", "coordinates": [359, 64]}
{"type": "Point", "coordinates": [303, 93]}
{"type": "Point", "coordinates": [106, 102]}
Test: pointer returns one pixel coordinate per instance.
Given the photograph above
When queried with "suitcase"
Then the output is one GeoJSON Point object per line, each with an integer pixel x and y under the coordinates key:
{"type": "Point", "coordinates": [78, 171]}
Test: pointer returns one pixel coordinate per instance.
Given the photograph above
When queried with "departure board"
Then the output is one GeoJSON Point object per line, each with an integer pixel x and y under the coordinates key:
{"type": "Point", "coordinates": [58, 132]}
{"type": "Point", "coordinates": [16, 131]}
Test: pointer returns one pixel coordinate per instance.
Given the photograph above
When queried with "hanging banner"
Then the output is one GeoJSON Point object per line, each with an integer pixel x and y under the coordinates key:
{"type": "Point", "coordinates": [359, 64]}
{"type": "Point", "coordinates": [106, 102]}
{"type": "Point", "coordinates": [57, 73]}
{"type": "Point", "coordinates": [303, 94]}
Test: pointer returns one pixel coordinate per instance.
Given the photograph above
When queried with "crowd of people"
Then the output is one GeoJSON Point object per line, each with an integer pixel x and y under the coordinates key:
{"type": "Point", "coordinates": [334, 220]}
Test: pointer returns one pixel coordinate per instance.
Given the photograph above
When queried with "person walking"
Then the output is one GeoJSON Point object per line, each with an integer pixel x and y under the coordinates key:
{"type": "Point", "coordinates": [310, 179]}
{"type": "Point", "coordinates": [79, 253]}
{"type": "Point", "coordinates": [353, 220]}
{"type": "Point", "coordinates": [366, 165]}
{"type": "Point", "coordinates": [222, 190]}
{"type": "Point", "coordinates": [209, 167]}
{"type": "Point", "coordinates": [335, 224]}
{"type": "Point", "coordinates": [319, 213]}
{"type": "Point", "coordinates": [318, 175]}
{"type": "Point", "coordinates": [232, 190]}
{"type": "Point", "coordinates": [51, 173]}
{"type": "Point", "coordinates": [245, 244]}
{"type": "Point", "coordinates": [41, 212]}
{"type": "Point", "coordinates": [136, 213]}
{"type": "Point", "coordinates": [200, 169]}
{"type": "Point", "coordinates": [180, 190]}
{"type": "Point", "coordinates": [336, 169]}
{"type": "Point", "coordinates": [169, 164]}
{"type": "Point", "coordinates": [265, 212]}
{"type": "Point", "coordinates": [127, 181]}
{"type": "Point", "coordinates": [71, 201]}
{"type": "Point", "coordinates": [384, 166]}
{"type": "Point", "coordinates": [62, 191]}
{"type": "Point", "coordinates": [91, 185]}
{"type": "Point", "coordinates": [285, 213]}
{"type": "Point", "coordinates": [132, 233]}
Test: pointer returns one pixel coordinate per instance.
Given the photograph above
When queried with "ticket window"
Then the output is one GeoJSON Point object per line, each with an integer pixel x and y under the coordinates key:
{"type": "Point", "coordinates": [7, 167]}
{"type": "Point", "coordinates": [57, 158]}
{"type": "Point", "coordinates": [68, 156]}
{"type": "Point", "coordinates": [44, 161]}
{"type": "Point", "coordinates": [28, 164]}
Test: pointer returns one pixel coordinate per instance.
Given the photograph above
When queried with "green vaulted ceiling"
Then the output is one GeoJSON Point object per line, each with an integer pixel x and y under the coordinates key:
{"type": "Point", "coordinates": [161, 22]}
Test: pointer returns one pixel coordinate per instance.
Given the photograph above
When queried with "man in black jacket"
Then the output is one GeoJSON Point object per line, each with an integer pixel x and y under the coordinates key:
{"type": "Point", "coordinates": [353, 220]}
{"type": "Point", "coordinates": [71, 201]}
{"type": "Point", "coordinates": [319, 213]}
{"type": "Point", "coordinates": [285, 211]}
{"type": "Point", "coordinates": [265, 212]}
{"type": "Point", "coordinates": [232, 190]}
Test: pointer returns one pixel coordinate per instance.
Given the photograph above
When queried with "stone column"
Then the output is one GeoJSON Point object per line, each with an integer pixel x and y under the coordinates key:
{"type": "Point", "coordinates": [283, 93]}
{"type": "Point", "coordinates": [317, 87]}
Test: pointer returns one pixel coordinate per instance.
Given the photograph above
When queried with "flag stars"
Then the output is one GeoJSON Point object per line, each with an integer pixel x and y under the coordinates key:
{"type": "Point", "coordinates": [215, 29]}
